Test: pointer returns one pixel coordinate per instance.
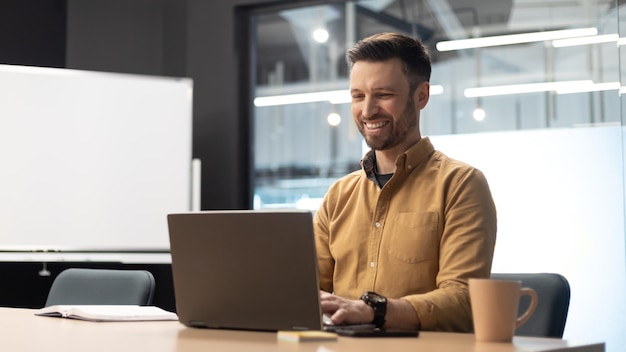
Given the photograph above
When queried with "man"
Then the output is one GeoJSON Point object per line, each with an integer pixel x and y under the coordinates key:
{"type": "Point", "coordinates": [398, 239]}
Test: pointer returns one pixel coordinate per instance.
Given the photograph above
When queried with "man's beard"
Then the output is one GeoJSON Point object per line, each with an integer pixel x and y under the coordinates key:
{"type": "Point", "coordinates": [399, 128]}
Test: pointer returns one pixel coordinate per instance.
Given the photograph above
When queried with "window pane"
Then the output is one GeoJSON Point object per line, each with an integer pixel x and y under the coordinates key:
{"type": "Point", "coordinates": [532, 83]}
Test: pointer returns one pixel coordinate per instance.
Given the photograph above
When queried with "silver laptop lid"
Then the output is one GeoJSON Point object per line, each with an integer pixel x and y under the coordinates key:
{"type": "Point", "coordinates": [250, 270]}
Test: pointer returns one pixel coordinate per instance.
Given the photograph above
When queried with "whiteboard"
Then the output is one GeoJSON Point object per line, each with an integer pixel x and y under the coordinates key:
{"type": "Point", "coordinates": [92, 160]}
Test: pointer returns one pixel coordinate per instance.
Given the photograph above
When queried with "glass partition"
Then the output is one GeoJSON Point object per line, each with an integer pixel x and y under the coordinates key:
{"type": "Point", "coordinates": [497, 66]}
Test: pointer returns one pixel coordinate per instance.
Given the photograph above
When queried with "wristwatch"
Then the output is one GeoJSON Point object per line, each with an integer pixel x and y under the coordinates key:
{"type": "Point", "coordinates": [379, 304]}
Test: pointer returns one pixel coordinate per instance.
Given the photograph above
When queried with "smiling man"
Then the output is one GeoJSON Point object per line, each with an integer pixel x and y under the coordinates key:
{"type": "Point", "coordinates": [398, 239]}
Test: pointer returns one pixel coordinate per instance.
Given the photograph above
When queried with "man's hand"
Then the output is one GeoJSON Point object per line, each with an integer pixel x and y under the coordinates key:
{"type": "Point", "coordinates": [400, 314]}
{"type": "Point", "coordinates": [345, 311]}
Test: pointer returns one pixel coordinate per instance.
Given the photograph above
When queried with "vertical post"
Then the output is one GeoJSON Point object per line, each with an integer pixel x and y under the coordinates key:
{"type": "Point", "coordinates": [196, 181]}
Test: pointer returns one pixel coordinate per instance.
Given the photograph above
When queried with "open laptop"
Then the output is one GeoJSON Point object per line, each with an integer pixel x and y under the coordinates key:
{"type": "Point", "coordinates": [245, 269]}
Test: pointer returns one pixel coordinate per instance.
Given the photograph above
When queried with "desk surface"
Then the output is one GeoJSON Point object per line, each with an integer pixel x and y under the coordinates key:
{"type": "Point", "coordinates": [23, 331]}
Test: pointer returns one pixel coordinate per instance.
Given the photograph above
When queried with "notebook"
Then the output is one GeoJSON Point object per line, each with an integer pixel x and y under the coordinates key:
{"type": "Point", "coordinates": [245, 270]}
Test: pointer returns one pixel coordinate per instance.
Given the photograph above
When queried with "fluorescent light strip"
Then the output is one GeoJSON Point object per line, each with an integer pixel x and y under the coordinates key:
{"type": "Point", "coordinates": [594, 87]}
{"type": "Point", "coordinates": [595, 39]}
{"type": "Point", "coordinates": [436, 89]}
{"type": "Point", "coordinates": [332, 96]}
{"type": "Point", "coordinates": [521, 88]}
{"type": "Point", "coordinates": [514, 39]}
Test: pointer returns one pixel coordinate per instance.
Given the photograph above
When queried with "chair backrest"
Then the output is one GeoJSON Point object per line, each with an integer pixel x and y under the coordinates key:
{"type": "Point", "coordinates": [102, 286]}
{"type": "Point", "coordinates": [553, 291]}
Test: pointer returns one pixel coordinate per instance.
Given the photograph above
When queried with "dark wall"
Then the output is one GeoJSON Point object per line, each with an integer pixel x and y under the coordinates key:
{"type": "Point", "coordinates": [32, 32]}
{"type": "Point", "coordinates": [116, 35]}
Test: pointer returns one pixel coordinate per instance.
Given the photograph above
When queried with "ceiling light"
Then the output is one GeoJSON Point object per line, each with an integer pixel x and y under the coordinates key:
{"type": "Point", "coordinates": [320, 35]}
{"type": "Point", "coordinates": [331, 95]}
{"type": "Point", "coordinates": [514, 39]}
{"type": "Point", "coordinates": [436, 89]}
{"type": "Point", "coordinates": [522, 88]}
{"type": "Point", "coordinates": [334, 119]}
{"type": "Point", "coordinates": [595, 39]}
{"type": "Point", "coordinates": [593, 87]}
{"type": "Point", "coordinates": [479, 114]}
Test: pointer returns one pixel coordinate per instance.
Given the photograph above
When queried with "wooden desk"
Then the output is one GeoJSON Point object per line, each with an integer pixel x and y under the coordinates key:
{"type": "Point", "coordinates": [21, 330]}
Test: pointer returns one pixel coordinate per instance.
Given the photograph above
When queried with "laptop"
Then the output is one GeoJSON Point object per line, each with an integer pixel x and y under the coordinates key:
{"type": "Point", "coordinates": [245, 270]}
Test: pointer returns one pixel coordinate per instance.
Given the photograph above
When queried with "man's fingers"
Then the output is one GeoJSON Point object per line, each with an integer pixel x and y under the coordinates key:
{"type": "Point", "coordinates": [340, 316]}
{"type": "Point", "coordinates": [329, 306]}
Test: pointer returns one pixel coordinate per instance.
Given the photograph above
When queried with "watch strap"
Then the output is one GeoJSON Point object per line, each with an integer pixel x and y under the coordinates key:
{"type": "Point", "coordinates": [379, 304]}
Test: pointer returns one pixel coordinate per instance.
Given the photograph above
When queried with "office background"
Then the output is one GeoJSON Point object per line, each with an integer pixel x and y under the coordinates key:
{"type": "Point", "coordinates": [555, 163]}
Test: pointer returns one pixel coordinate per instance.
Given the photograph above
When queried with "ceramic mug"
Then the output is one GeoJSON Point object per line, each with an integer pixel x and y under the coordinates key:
{"type": "Point", "coordinates": [495, 305]}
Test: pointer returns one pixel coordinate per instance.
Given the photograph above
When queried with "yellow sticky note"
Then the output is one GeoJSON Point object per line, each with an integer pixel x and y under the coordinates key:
{"type": "Point", "coordinates": [308, 335]}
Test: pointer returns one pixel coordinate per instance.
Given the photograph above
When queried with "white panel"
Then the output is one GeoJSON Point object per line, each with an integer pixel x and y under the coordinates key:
{"type": "Point", "coordinates": [560, 200]}
{"type": "Point", "coordinates": [91, 160]}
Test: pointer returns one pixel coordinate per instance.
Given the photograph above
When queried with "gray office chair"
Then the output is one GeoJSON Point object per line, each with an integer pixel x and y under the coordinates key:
{"type": "Point", "coordinates": [553, 291]}
{"type": "Point", "coordinates": [102, 286]}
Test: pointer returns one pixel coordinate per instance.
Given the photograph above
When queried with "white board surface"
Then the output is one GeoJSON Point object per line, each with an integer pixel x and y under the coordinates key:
{"type": "Point", "coordinates": [92, 160]}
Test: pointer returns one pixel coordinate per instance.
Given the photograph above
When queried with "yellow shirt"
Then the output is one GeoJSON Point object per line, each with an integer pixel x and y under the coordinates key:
{"type": "Point", "coordinates": [420, 237]}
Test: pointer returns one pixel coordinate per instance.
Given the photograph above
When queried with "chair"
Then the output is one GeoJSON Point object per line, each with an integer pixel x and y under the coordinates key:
{"type": "Point", "coordinates": [553, 291]}
{"type": "Point", "coordinates": [102, 286]}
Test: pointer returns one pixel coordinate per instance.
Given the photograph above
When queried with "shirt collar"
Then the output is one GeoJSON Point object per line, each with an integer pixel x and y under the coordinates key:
{"type": "Point", "coordinates": [406, 161]}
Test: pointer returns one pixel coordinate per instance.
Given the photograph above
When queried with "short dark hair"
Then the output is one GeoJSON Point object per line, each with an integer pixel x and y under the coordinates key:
{"type": "Point", "coordinates": [385, 46]}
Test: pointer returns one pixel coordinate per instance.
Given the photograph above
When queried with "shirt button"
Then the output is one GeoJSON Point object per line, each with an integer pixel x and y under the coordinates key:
{"type": "Point", "coordinates": [377, 224]}
{"type": "Point", "coordinates": [372, 264]}
{"type": "Point", "coordinates": [409, 166]}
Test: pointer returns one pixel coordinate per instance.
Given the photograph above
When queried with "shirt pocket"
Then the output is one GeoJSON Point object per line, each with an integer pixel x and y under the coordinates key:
{"type": "Point", "coordinates": [413, 237]}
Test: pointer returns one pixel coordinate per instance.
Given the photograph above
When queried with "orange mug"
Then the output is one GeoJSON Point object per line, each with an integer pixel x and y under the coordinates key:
{"type": "Point", "coordinates": [495, 306]}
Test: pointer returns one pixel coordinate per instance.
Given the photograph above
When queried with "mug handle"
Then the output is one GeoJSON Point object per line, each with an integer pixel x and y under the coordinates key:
{"type": "Point", "coordinates": [531, 308]}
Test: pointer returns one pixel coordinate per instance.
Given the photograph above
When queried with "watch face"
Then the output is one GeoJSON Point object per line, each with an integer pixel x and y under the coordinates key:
{"type": "Point", "coordinates": [375, 297]}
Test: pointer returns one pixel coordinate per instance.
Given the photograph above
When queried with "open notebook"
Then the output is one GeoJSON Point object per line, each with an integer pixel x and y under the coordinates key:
{"type": "Point", "coordinates": [107, 312]}
{"type": "Point", "coordinates": [251, 270]}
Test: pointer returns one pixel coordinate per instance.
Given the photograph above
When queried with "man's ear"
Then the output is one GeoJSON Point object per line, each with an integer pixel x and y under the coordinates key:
{"type": "Point", "coordinates": [422, 94]}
